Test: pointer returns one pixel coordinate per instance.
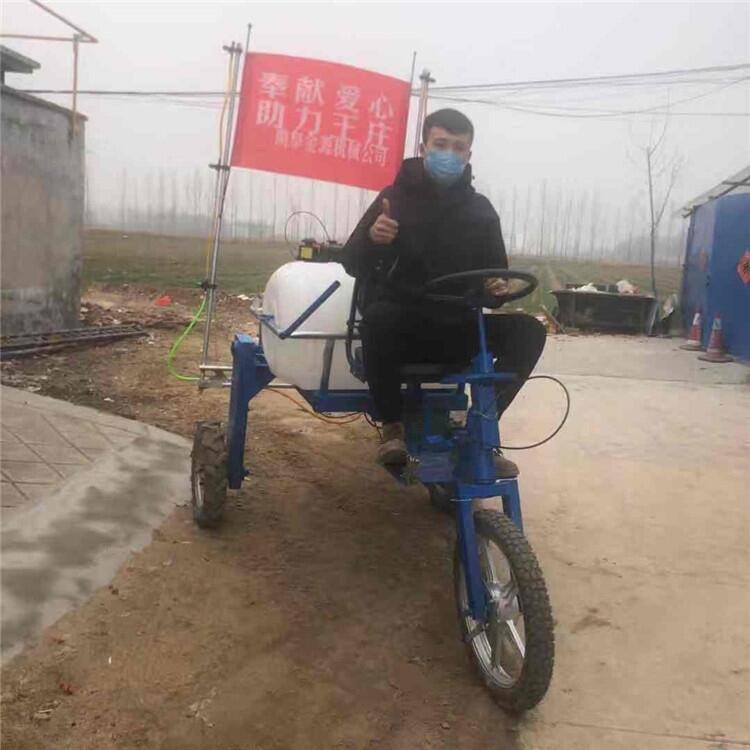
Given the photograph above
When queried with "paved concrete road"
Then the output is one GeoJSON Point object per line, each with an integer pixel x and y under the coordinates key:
{"type": "Point", "coordinates": [640, 514]}
{"type": "Point", "coordinates": [80, 491]}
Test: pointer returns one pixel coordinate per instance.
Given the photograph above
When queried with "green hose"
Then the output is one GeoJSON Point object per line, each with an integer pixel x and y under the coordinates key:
{"type": "Point", "coordinates": [178, 343]}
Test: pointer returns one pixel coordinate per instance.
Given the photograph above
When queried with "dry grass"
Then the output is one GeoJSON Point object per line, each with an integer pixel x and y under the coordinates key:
{"type": "Point", "coordinates": [158, 262]}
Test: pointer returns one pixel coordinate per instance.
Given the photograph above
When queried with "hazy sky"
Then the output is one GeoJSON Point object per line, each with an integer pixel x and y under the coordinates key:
{"type": "Point", "coordinates": [177, 45]}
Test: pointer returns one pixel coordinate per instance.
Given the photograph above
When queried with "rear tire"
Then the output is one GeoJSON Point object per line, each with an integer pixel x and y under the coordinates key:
{"type": "Point", "coordinates": [526, 684]}
{"type": "Point", "coordinates": [208, 474]}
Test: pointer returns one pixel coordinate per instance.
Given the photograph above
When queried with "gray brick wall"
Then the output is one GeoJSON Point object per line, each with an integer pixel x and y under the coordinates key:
{"type": "Point", "coordinates": [42, 197]}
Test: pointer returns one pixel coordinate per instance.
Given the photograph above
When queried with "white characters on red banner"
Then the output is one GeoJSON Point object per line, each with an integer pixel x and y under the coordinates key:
{"type": "Point", "coordinates": [347, 98]}
{"type": "Point", "coordinates": [274, 85]}
{"type": "Point", "coordinates": [376, 149]}
{"type": "Point", "coordinates": [304, 131]}
{"type": "Point", "coordinates": [270, 113]}
{"type": "Point", "coordinates": [309, 91]}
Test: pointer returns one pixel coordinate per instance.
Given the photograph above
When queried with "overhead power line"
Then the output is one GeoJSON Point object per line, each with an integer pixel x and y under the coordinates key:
{"type": "Point", "coordinates": [590, 113]}
{"type": "Point", "coordinates": [609, 79]}
{"type": "Point", "coordinates": [541, 108]}
{"type": "Point", "coordinates": [125, 92]}
{"type": "Point", "coordinates": [192, 99]}
{"type": "Point", "coordinates": [553, 82]}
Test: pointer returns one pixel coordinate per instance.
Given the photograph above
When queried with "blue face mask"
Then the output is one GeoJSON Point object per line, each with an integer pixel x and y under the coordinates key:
{"type": "Point", "coordinates": [444, 166]}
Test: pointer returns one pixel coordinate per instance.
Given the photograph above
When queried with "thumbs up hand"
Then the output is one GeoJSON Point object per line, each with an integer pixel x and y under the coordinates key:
{"type": "Point", "coordinates": [385, 229]}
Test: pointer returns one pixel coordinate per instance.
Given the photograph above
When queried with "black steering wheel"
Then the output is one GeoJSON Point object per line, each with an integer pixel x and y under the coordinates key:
{"type": "Point", "coordinates": [479, 297]}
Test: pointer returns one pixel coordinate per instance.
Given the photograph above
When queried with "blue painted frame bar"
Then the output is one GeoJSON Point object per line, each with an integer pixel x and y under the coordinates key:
{"type": "Point", "coordinates": [360, 400]}
{"type": "Point", "coordinates": [464, 458]}
{"type": "Point", "coordinates": [512, 503]}
{"type": "Point", "coordinates": [467, 549]}
{"type": "Point", "coordinates": [250, 374]}
{"type": "Point", "coordinates": [289, 330]}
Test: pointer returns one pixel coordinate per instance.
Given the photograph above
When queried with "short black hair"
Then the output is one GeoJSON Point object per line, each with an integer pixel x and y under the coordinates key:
{"type": "Point", "coordinates": [452, 120]}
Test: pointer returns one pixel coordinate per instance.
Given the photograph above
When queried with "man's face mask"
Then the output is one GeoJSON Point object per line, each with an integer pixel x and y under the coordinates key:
{"type": "Point", "coordinates": [444, 166]}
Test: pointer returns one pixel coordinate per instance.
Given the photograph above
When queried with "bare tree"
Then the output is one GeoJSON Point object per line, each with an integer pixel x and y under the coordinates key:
{"type": "Point", "coordinates": [136, 207]}
{"type": "Point", "coordinates": [526, 222]}
{"type": "Point", "coordinates": [616, 232]}
{"type": "Point", "coordinates": [334, 232]}
{"type": "Point", "coordinates": [149, 201]}
{"type": "Point", "coordinates": [312, 209]}
{"type": "Point", "coordinates": [542, 209]}
{"type": "Point", "coordinates": [662, 170]}
{"type": "Point", "coordinates": [174, 206]}
{"type": "Point", "coordinates": [579, 225]}
{"type": "Point", "coordinates": [124, 199]}
{"type": "Point", "coordinates": [513, 222]}
{"type": "Point", "coordinates": [594, 216]}
{"type": "Point", "coordinates": [556, 233]}
{"type": "Point", "coordinates": [657, 204]}
{"type": "Point", "coordinates": [567, 224]}
{"type": "Point", "coordinates": [162, 198]}
{"type": "Point", "coordinates": [275, 207]}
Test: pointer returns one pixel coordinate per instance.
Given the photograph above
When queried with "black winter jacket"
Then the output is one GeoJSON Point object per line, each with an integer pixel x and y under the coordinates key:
{"type": "Point", "coordinates": [440, 231]}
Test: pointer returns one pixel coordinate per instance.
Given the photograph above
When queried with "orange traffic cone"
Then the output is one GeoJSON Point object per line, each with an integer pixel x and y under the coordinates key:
{"type": "Point", "coordinates": [693, 343]}
{"type": "Point", "coordinates": [715, 351]}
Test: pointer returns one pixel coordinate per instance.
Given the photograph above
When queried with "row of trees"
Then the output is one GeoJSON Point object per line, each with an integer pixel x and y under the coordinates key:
{"type": "Point", "coordinates": [545, 220]}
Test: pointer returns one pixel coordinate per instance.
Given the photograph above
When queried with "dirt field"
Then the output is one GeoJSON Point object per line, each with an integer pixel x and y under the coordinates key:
{"type": "Point", "coordinates": [320, 616]}
{"type": "Point", "coordinates": [164, 262]}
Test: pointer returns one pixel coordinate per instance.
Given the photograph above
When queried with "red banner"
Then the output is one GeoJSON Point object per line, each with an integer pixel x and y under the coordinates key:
{"type": "Point", "coordinates": [319, 119]}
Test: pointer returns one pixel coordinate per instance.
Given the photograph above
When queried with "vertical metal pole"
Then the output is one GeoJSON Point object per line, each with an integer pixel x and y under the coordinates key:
{"type": "Point", "coordinates": [247, 38]}
{"type": "Point", "coordinates": [426, 79]}
{"type": "Point", "coordinates": [74, 108]}
{"type": "Point", "coordinates": [413, 68]}
{"type": "Point", "coordinates": [411, 88]}
{"type": "Point", "coordinates": [222, 181]}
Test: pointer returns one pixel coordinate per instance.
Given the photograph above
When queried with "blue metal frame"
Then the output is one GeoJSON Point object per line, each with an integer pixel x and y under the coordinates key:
{"type": "Point", "coordinates": [250, 375]}
{"type": "Point", "coordinates": [463, 457]}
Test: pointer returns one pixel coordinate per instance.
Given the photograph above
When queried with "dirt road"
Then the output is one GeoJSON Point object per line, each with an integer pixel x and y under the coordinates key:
{"type": "Point", "coordinates": [320, 616]}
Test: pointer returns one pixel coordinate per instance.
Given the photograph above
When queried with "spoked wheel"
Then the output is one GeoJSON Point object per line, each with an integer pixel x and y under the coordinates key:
{"type": "Point", "coordinates": [514, 650]}
{"type": "Point", "coordinates": [208, 474]}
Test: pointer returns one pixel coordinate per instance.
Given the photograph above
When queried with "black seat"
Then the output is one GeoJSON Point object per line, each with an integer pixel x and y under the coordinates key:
{"type": "Point", "coordinates": [419, 371]}
{"type": "Point", "coordinates": [425, 371]}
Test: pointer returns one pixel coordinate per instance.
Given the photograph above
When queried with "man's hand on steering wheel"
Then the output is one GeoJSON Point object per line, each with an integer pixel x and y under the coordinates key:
{"type": "Point", "coordinates": [493, 291]}
{"type": "Point", "coordinates": [496, 287]}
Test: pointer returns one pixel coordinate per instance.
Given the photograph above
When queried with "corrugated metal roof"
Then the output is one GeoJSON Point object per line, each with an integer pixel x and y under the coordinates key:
{"type": "Point", "coordinates": [15, 62]}
{"type": "Point", "coordinates": [6, 90]}
{"type": "Point", "coordinates": [739, 182]}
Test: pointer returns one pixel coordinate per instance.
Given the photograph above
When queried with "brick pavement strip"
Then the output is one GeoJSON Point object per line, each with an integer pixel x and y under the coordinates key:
{"type": "Point", "coordinates": [45, 442]}
{"type": "Point", "coordinates": [43, 445]}
{"type": "Point", "coordinates": [77, 485]}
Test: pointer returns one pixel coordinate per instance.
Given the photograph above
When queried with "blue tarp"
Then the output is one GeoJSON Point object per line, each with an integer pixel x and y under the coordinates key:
{"type": "Point", "coordinates": [718, 237]}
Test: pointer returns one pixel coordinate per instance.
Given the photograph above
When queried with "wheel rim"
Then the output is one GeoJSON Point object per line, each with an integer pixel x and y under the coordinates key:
{"type": "Point", "coordinates": [500, 645]}
{"type": "Point", "coordinates": [198, 490]}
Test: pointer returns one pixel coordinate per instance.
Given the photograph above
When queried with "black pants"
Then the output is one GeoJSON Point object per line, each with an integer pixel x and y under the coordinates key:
{"type": "Point", "coordinates": [395, 334]}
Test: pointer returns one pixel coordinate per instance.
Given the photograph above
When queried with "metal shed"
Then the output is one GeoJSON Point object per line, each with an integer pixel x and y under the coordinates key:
{"type": "Point", "coordinates": [716, 272]}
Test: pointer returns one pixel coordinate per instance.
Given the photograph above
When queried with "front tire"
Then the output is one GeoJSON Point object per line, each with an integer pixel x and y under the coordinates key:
{"type": "Point", "coordinates": [208, 474]}
{"type": "Point", "coordinates": [514, 651]}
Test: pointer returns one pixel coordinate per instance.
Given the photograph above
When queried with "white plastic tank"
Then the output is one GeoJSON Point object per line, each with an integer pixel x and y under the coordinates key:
{"type": "Point", "coordinates": [289, 292]}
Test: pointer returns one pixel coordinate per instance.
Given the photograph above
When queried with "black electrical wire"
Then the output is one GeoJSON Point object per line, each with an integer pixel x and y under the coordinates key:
{"type": "Point", "coordinates": [578, 113]}
{"type": "Point", "coordinates": [372, 423]}
{"type": "Point", "coordinates": [611, 79]}
{"type": "Point", "coordinates": [553, 83]}
{"type": "Point", "coordinates": [306, 213]}
{"type": "Point", "coordinates": [557, 429]}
